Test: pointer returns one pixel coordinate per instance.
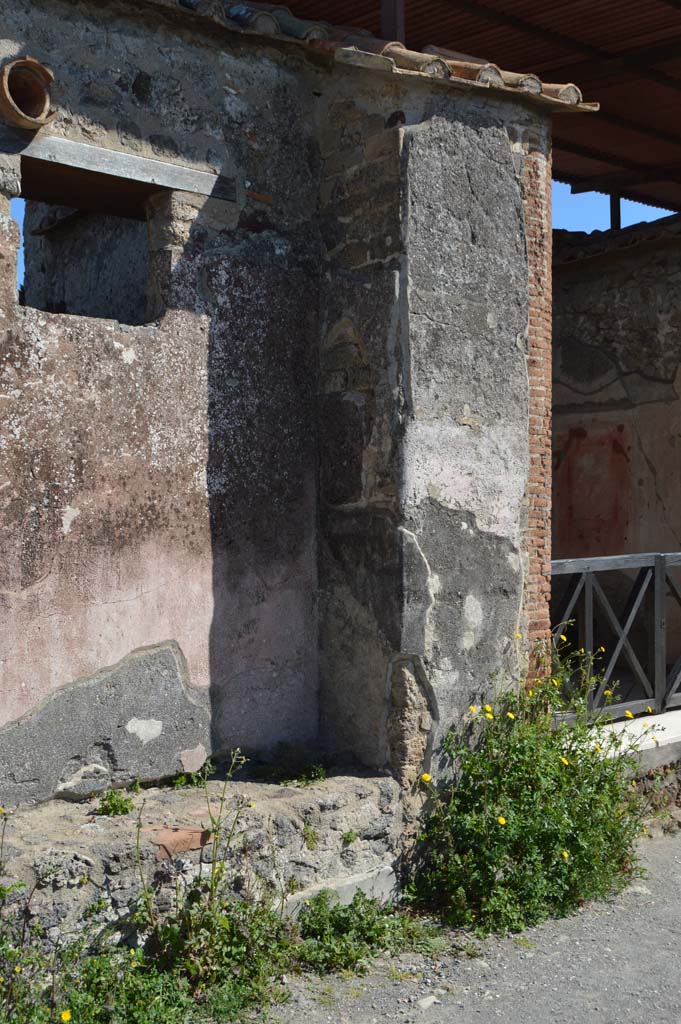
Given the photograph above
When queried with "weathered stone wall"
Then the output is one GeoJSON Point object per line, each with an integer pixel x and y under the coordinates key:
{"type": "Point", "coordinates": [424, 414]}
{"type": "Point", "coordinates": [617, 486]}
{"type": "Point", "coordinates": [159, 482]}
{"type": "Point", "coordinates": [341, 358]}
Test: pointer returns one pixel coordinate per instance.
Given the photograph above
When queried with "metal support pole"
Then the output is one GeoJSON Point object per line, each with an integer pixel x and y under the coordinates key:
{"type": "Point", "coordinates": [615, 211]}
{"type": "Point", "coordinates": [660, 631]}
{"type": "Point", "coordinates": [392, 20]}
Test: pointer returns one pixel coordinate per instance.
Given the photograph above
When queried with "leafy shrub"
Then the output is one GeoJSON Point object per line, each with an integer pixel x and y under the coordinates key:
{"type": "Point", "coordinates": [542, 814]}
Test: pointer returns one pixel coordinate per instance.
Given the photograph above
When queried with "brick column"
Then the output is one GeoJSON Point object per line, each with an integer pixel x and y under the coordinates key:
{"type": "Point", "coordinates": [537, 203]}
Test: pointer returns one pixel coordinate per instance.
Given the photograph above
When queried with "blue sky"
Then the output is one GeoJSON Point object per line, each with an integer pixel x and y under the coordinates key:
{"type": "Point", "coordinates": [589, 211]}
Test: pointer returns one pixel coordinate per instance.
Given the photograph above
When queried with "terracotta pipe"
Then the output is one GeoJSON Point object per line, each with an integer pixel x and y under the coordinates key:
{"type": "Point", "coordinates": [25, 93]}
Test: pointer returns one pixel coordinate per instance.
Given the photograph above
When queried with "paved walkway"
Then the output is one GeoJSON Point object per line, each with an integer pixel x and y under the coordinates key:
{"type": "Point", "coordinates": [614, 963]}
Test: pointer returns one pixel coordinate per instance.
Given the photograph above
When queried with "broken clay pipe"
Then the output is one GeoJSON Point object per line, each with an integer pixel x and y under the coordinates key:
{"type": "Point", "coordinates": [25, 93]}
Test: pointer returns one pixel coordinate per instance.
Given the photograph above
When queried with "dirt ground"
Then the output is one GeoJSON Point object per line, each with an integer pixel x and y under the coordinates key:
{"type": "Point", "coordinates": [612, 963]}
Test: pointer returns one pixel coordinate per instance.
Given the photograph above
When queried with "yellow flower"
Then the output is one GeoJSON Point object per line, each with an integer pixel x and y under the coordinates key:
{"type": "Point", "coordinates": [488, 707]}
{"type": "Point", "coordinates": [607, 693]}
{"type": "Point", "coordinates": [473, 710]}
{"type": "Point", "coordinates": [564, 760]}
{"type": "Point", "coordinates": [566, 855]}
{"type": "Point", "coordinates": [2, 811]}
{"type": "Point", "coordinates": [563, 638]}
{"type": "Point", "coordinates": [628, 714]}
{"type": "Point", "coordinates": [598, 748]}
{"type": "Point", "coordinates": [66, 1016]}
{"type": "Point", "coordinates": [425, 777]}
{"type": "Point", "coordinates": [555, 682]}
{"type": "Point", "coordinates": [518, 636]}
{"type": "Point", "coordinates": [501, 819]}
{"type": "Point", "coordinates": [649, 710]}
{"type": "Point", "coordinates": [509, 714]}
{"type": "Point", "coordinates": [530, 693]}
{"type": "Point", "coordinates": [17, 970]}
{"type": "Point", "coordinates": [489, 716]}
{"type": "Point", "coordinates": [602, 650]}
{"type": "Point", "coordinates": [644, 830]}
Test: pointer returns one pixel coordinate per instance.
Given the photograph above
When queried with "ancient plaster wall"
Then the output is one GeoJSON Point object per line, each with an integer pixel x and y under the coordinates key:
{"type": "Point", "coordinates": [159, 482]}
{"type": "Point", "coordinates": [617, 387]}
{"type": "Point", "coordinates": [424, 374]}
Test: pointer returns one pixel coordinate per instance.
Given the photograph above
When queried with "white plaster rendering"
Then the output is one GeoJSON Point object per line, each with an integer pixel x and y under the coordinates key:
{"type": "Point", "coordinates": [67, 518]}
{"type": "Point", "coordinates": [146, 729]}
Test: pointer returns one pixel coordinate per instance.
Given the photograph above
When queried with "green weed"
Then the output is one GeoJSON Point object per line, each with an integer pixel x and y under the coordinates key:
{"type": "Point", "coordinates": [310, 836]}
{"type": "Point", "coordinates": [115, 802]}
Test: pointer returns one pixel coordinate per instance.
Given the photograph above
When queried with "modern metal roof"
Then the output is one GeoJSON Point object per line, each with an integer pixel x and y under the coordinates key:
{"type": "Point", "coordinates": [625, 54]}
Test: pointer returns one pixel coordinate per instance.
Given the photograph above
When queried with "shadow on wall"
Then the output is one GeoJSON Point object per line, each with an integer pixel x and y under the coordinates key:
{"type": "Point", "coordinates": [259, 294]}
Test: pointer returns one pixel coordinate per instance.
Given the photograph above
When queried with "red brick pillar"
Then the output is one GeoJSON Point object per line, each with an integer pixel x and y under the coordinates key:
{"type": "Point", "coordinates": [537, 202]}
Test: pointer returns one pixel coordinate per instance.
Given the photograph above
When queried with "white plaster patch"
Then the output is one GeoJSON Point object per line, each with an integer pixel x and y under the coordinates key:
{"type": "Point", "coordinates": [146, 729]}
{"type": "Point", "coordinates": [468, 640]}
{"type": "Point", "coordinates": [472, 611]}
{"type": "Point", "coordinates": [67, 518]}
{"type": "Point", "coordinates": [128, 355]}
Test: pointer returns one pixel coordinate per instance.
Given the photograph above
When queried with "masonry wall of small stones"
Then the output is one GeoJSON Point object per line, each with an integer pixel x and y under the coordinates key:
{"type": "Point", "coordinates": [299, 507]}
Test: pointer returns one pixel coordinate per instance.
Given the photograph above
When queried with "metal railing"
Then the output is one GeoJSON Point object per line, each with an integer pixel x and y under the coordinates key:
{"type": "Point", "coordinates": [636, 639]}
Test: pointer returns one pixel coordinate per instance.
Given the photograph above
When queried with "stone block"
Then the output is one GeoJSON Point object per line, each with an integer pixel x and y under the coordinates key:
{"type": "Point", "coordinates": [136, 720]}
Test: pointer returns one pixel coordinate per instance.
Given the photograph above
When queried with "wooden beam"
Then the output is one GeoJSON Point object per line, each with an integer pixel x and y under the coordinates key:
{"type": "Point", "coordinates": [118, 164]}
{"type": "Point", "coordinates": [392, 20]}
{"type": "Point", "coordinates": [568, 43]}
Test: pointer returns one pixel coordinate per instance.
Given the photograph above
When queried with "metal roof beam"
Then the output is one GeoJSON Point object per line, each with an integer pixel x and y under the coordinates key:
{"type": "Point", "coordinates": [556, 38]}
{"type": "Point", "coordinates": [618, 182]}
{"type": "Point", "coordinates": [598, 155]}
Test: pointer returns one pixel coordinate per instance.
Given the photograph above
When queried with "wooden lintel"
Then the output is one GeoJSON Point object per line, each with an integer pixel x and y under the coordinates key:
{"type": "Point", "coordinates": [117, 164]}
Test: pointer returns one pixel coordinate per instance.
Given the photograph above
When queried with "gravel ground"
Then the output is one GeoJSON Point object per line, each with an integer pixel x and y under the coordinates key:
{"type": "Point", "coordinates": [612, 963]}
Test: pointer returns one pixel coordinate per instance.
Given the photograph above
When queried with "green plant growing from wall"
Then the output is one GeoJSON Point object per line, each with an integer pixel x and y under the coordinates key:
{"type": "Point", "coordinates": [310, 836]}
{"type": "Point", "coordinates": [217, 955]}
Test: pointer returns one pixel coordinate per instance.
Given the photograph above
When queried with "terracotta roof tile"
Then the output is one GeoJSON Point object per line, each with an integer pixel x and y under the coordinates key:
{"type": "Point", "coordinates": [352, 45]}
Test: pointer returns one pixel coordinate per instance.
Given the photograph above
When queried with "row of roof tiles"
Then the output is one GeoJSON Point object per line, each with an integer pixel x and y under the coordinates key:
{"type": "Point", "coordinates": [571, 246]}
{"type": "Point", "coordinates": [353, 45]}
